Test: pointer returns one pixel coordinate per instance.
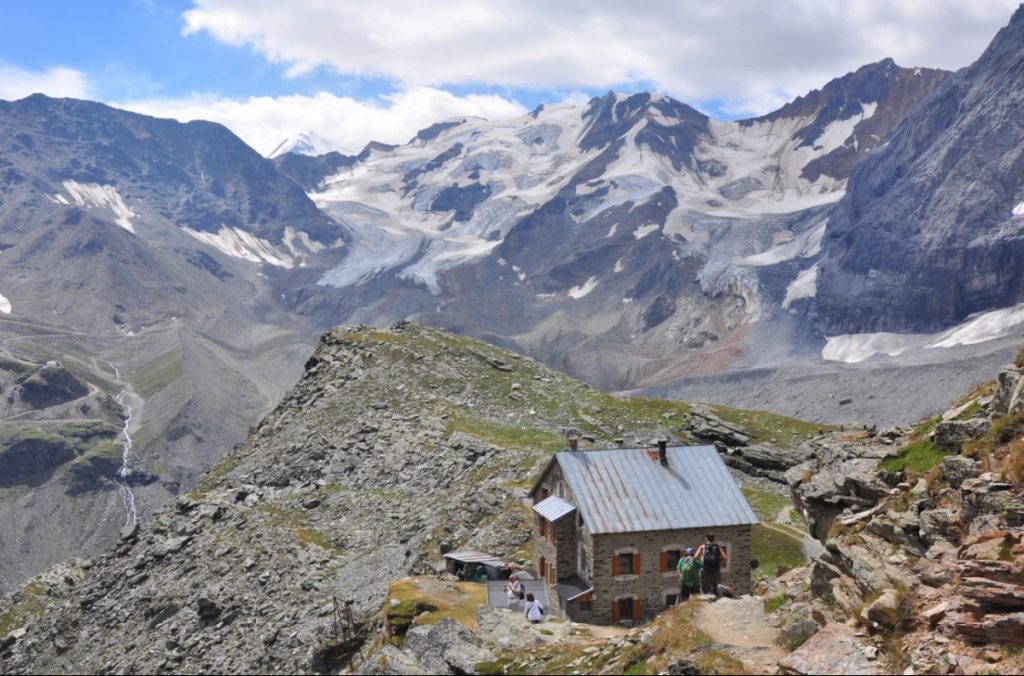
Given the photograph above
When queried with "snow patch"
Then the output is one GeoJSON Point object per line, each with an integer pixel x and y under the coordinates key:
{"type": "Point", "coordinates": [618, 266]}
{"type": "Point", "coordinates": [979, 328]}
{"type": "Point", "coordinates": [611, 230]}
{"type": "Point", "coordinates": [645, 230]}
{"type": "Point", "coordinates": [835, 134]}
{"type": "Point", "coordinates": [1018, 210]}
{"type": "Point", "coordinates": [5, 305]}
{"type": "Point", "coordinates": [804, 286]}
{"type": "Point", "coordinates": [583, 289]}
{"type": "Point", "coordinates": [804, 245]}
{"type": "Point", "coordinates": [856, 347]}
{"type": "Point", "coordinates": [103, 197]}
{"type": "Point", "coordinates": [982, 327]}
{"type": "Point", "coordinates": [238, 243]}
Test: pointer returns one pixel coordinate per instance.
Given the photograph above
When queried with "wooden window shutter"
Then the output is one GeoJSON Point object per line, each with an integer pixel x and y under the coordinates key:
{"type": "Point", "coordinates": [636, 609]}
{"type": "Point", "coordinates": [615, 613]}
{"type": "Point", "coordinates": [664, 562]}
{"type": "Point", "coordinates": [636, 564]}
{"type": "Point", "coordinates": [616, 566]}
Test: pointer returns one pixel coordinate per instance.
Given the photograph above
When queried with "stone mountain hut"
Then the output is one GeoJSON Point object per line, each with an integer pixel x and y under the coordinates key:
{"type": "Point", "coordinates": [611, 525]}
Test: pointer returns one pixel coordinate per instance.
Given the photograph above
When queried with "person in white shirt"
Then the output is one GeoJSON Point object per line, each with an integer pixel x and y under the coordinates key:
{"type": "Point", "coordinates": [514, 591]}
{"type": "Point", "coordinates": [533, 610]}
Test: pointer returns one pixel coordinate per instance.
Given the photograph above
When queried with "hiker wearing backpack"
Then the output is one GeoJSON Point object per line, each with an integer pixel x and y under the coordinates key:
{"type": "Point", "coordinates": [713, 557]}
{"type": "Point", "coordinates": [689, 575]}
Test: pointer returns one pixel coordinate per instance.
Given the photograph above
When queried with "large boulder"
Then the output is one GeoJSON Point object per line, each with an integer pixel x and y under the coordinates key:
{"type": "Point", "coordinates": [951, 434]}
{"type": "Point", "coordinates": [957, 469]}
{"type": "Point", "coordinates": [885, 610]}
{"type": "Point", "coordinates": [843, 477]}
{"type": "Point", "coordinates": [1010, 387]}
{"type": "Point", "coordinates": [446, 647]}
{"type": "Point", "coordinates": [833, 650]}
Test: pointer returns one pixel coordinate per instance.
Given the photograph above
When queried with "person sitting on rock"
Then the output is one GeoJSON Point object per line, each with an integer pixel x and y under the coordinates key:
{"type": "Point", "coordinates": [514, 591]}
{"type": "Point", "coordinates": [533, 610]}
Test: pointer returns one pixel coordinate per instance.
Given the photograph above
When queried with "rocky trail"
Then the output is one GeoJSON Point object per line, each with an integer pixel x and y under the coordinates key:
{"type": "Point", "coordinates": [740, 628]}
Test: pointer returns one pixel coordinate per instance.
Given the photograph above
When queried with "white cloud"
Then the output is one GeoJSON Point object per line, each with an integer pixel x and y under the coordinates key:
{"type": "Point", "coordinates": [748, 53]}
{"type": "Point", "coordinates": [343, 122]}
{"type": "Point", "coordinates": [17, 83]}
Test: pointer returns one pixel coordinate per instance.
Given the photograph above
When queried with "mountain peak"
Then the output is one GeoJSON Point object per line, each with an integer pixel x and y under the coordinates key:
{"type": "Point", "coordinates": [301, 144]}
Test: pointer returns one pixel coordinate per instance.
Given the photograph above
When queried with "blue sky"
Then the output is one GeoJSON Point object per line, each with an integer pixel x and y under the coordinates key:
{"type": "Point", "coordinates": [350, 71]}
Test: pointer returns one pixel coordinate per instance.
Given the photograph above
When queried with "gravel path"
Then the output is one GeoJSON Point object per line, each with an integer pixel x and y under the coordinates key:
{"type": "Point", "coordinates": [740, 628]}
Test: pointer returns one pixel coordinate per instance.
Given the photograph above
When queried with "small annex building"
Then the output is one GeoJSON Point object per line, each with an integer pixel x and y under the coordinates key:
{"type": "Point", "coordinates": [610, 526]}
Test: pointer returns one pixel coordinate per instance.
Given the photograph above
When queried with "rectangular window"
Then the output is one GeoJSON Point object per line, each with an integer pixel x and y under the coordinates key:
{"type": "Point", "coordinates": [626, 607]}
{"type": "Point", "coordinates": [586, 606]}
{"type": "Point", "coordinates": [670, 600]}
{"type": "Point", "coordinates": [672, 557]}
{"type": "Point", "coordinates": [626, 564]}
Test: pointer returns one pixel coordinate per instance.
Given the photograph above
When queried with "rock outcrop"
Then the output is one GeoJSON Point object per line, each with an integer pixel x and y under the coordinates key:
{"type": "Point", "coordinates": [931, 560]}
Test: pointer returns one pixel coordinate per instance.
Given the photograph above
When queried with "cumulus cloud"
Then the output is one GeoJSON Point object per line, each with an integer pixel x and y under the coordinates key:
{"type": "Point", "coordinates": [342, 122]}
{"type": "Point", "coordinates": [17, 83]}
{"type": "Point", "coordinates": [749, 54]}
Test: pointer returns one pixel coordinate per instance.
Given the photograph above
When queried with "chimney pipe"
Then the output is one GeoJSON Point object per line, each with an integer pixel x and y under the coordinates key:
{"type": "Point", "coordinates": [620, 442]}
{"type": "Point", "coordinates": [663, 452]}
{"type": "Point", "coordinates": [574, 443]}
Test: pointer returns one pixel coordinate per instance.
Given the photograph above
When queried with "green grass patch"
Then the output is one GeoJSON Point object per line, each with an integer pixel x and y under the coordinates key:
{"type": "Point", "coordinates": [919, 456]}
{"type": "Point", "coordinates": [506, 436]}
{"type": "Point", "coordinates": [296, 520]}
{"type": "Point", "coordinates": [765, 427]}
{"type": "Point", "coordinates": [158, 373]}
{"type": "Point", "coordinates": [766, 503]}
{"type": "Point", "coordinates": [774, 549]}
{"type": "Point", "coordinates": [426, 600]}
{"type": "Point", "coordinates": [775, 602]}
{"type": "Point", "coordinates": [28, 603]}
{"type": "Point", "coordinates": [636, 669]}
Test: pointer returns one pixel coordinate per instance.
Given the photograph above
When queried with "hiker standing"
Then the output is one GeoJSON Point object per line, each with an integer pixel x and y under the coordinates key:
{"type": "Point", "coordinates": [712, 558]}
{"type": "Point", "coordinates": [689, 575]}
{"type": "Point", "coordinates": [533, 610]}
{"type": "Point", "coordinates": [514, 591]}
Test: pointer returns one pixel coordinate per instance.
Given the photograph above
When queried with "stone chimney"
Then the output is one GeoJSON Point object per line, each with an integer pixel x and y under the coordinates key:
{"type": "Point", "coordinates": [663, 452]}
{"type": "Point", "coordinates": [620, 442]}
{"type": "Point", "coordinates": [574, 443]}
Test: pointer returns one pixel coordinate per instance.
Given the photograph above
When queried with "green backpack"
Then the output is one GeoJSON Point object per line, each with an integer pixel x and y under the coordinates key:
{"type": "Point", "coordinates": [688, 572]}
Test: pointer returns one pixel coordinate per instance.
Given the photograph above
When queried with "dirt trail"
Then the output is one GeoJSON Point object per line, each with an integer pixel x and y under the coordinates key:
{"type": "Point", "coordinates": [740, 628]}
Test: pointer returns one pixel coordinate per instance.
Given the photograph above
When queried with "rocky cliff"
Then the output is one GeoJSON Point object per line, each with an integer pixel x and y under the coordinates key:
{"type": "Point", "coordinates": [930, 229]}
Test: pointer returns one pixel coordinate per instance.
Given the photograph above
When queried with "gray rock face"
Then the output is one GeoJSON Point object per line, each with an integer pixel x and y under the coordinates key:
{"type": "Point", "coordinates": [951, 434]}
{"type": "Point", "coordinates": [833, 650]}
{"type": "Point", "coordinates": [927, 233]}
{"type": "Point", "coordinates": [842, 477]}
{"type": "Point", "coordinates": [446, 648]}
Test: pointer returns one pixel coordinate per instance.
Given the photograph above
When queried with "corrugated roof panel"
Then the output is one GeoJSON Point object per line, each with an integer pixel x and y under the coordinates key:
{"type": "Point", "coordinates": [475, 557]}
{"type": "Point", "coordinates": [553, 508]}
{"type": "Point", "coordinates": [626, 490]}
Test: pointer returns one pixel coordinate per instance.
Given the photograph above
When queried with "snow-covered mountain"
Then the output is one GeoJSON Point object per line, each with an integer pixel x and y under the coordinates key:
{"type": "Point", "coordinates": [301, 144]}
{"type": "Point", "coordinates": [573, 230]}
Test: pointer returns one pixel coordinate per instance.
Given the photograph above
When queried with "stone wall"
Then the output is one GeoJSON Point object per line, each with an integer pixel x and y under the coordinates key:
{"type": "Point", "coordinates": [651, 585]}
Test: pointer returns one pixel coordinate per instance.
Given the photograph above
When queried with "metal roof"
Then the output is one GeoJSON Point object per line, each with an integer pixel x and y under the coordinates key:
{"type": "Point", "coordinates": [476, 557]}
{"type": "Point", "coordinates": [572, 587]}
{"type": "Point", "coordinates": [553, 508]}
{"type": "Point", "coordinates": [628, 490]}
